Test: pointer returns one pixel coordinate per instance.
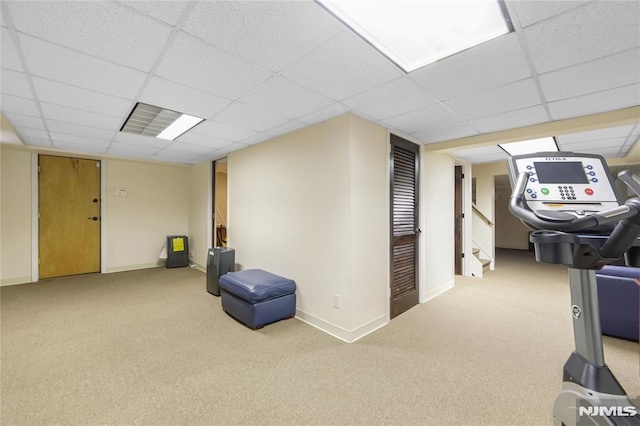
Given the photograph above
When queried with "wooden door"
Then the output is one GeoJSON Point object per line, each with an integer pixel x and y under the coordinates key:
{"type": "Point", "coordinates": [404, 225]}
{"type": "Point", "coordinates": [458, 220]}
{"type": "Point", "coordinates": [69, 210]}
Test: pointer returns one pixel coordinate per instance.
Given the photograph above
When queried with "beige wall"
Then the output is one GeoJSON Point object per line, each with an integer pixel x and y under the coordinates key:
{"type": "Point", "coordinates": [369, 170]}
{"type": "Point", "coordinates": [135, 226]}
{"type": "Point", "coordinates": [293, 203]}
{"type": "Point", "coordinates": [15, 219]}
{"type": "Point", "coordinates": [437, 224]}
{"type": "Point", "coordinates": [510, 231]}
{"type": "Point", "coordinates": [157, 205]}
{"type": "Point", "coordinates": [200, 213]}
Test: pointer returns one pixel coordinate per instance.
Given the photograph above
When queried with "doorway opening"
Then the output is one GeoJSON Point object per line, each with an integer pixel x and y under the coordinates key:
{"type": "Point", "coordinates": [219, 175]}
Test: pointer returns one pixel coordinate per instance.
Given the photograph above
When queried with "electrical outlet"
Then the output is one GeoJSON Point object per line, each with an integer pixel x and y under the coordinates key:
{"type": "Point", "coordinates": [336, 301]}
{"type": "Point", "coordinates": [191, 254]}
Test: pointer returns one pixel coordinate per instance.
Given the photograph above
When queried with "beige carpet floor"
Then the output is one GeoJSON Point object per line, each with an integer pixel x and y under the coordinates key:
{"type": "Point", "coordinates": [152, 347]}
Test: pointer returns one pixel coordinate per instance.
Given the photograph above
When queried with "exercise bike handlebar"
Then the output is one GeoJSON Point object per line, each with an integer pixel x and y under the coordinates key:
{"type": "Point", "coordinates": [631, 209]}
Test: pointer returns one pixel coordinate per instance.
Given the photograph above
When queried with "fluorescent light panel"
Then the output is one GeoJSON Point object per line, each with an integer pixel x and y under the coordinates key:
{"type": "Point", "coordinates": [161, 123]}
{"type": "Point", "coordinates": [180, 126]}
{"type": "Point", "coordinates": [530, 146]}
{"type": "Point", "coordinates": [416, 33]}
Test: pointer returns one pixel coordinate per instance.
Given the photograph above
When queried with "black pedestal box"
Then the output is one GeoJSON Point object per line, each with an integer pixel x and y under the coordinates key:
{"type": "Point", "coordinates": [219, 261]}
{"type": "Point", "coordinates": [177, 251]}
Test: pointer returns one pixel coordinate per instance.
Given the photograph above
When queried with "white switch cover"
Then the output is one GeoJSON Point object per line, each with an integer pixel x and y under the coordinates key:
{"type": "Point", "coordinates": [120, 192]}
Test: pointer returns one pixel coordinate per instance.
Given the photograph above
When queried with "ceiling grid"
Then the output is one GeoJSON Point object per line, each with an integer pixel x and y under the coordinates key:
{"type": "Point", "coordinates": [257, 70]}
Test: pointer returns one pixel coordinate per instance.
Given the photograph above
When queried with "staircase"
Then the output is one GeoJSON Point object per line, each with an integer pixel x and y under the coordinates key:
{"type": "Point", "coordinates": [483, 237]}
{"type": "Point", "coordinates": [484, 264]}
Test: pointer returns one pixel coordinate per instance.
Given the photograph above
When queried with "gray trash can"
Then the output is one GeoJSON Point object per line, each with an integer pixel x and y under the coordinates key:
{"type": "Point", "coordinates": [220, 260]}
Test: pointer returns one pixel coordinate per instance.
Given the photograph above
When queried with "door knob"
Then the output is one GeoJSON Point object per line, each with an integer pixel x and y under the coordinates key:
{"type": "Point", "coordinates": [93, 218]}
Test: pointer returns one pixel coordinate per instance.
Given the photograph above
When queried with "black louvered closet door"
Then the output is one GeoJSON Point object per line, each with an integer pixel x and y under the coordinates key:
{"type": "Point", "coordinates": [404, 225]}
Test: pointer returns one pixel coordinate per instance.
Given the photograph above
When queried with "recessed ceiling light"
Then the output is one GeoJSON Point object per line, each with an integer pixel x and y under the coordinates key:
{"type": "Point", "coordinates": [413, 34]}
{"type": "Point", "coordinates": [159, 122]}
{"type": "Point", "coordinates": [530, 146]}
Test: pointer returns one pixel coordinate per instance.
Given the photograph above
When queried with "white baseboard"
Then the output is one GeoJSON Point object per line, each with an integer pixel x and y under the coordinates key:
{"type": "Point", "coordinates": [437, 291]}
{"type": "Point", "coordinates": [15, 281]}
{"type": "Point", "coordinates": [338, 332]}
{"type": "Point", "coordinates": [123, 268]}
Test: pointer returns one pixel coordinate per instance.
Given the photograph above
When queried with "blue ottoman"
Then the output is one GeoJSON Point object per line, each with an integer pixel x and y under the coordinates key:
{"type": "Point", "coordinates": [256, 297]}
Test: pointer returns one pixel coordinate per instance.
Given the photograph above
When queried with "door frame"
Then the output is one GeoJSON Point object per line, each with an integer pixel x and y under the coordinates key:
{"type": "Point", "coordinates": [35, 197]}
{"type": "Point", "coordinates": [467, 221]}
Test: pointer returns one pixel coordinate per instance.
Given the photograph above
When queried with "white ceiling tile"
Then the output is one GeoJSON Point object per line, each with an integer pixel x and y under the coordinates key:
{"type": "Point", "coordinates": [74, 97]}
{"type": "Point", "coordinates": [480, 151]}
{"type": "Point", "coordinates": [70, 67]}
{"type": "Point", "coordinates": [324, 114]}
{"type": "Point", "coordinates": [518, 95]}
{"type": "Point", "coordinates": [18, 105]}
{"type": "Point", "coordinates": [79, 130]}
{"type": "Point", "coordinates": [423, 118]}
{"type": "Point", "coordinates": [613, 71]}
{"type": "Point", "coordinates": [485, 154]}
{"type": "Point", "coordinates": [594, 135]}
{"type": "Point", "coordinates": [18, 120]}
{"type": "Point", "coordinates": [8, 57]}
{"type": "Point", "coordinates": [589, 145]}
{"type": "Point", "coordinates": [606, 152]}
{"type": "Point", "coordinates": [79, 148]}
{"type": "Point", "coordinates": [166, 11]}
{"type": "Point", "coordinates": [135, 139]}
{"type": "Point", "coordinates": [79, 140]}
{"type": "Point", "coordinates": [76, 116]}
{"type": "Point", "coordinates": [230, 148]}
{"type": "Point", "coordinates": [491, 64]}
{"type": "Point", "coordinates": [286, 98]}
{"type": "Point", "coordinates": [456, 131]}
{"type": "Point", "coordinates": [583, 34]}
{"type": "Point", "coordinates": [26, 133]}
{"type": "Point", "coordinates": [173, 156]}
{"type": "Point", "coordinates": [99, 28]}
{"type": "Point", "coordinates": [256, 119]}
{"type": "Point", "coordinates": [342, 67]}
{"type": "Point", "coordinates": [127, 153]}
{"type": "Point", "coordinates": [594, 103]}
{"type": "Point", "coordinates": [197, 64]}
{"type": "Point", "coordinates": [15, 83]}
{"type": "Point", "coordinates": [259, 138]}
{"type": "Point", "coordinates": [274, 33]}
{"type": "Point", "coordinates": [203, 140]}
{"type": "Point", "coordinates": [511, 120]}
{"type": "Point", "coordinates": [215, 155]}
{"type": "Point", "coordinates": [222, 131]}
{"type": "Point", "coordinates": [129, 147]}
{"type": "Point", "coordinates": [38, 142]}
{"type": "Point", "coordinates": [492, 158]}
{"type": "Point", "coordinates": [394, 98]}
{"type": "Point", "coordinates": [529, 12]}
{"type": "Point", "coordinates": [289, 127]}
{"type": "Point", "coordinates": [174, 96]}
{"type": "Point", "coordinates": [188, 148]}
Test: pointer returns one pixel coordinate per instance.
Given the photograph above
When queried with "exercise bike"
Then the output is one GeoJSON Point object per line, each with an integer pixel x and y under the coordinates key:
{"type": "Point", "coordinates": [569, 201]}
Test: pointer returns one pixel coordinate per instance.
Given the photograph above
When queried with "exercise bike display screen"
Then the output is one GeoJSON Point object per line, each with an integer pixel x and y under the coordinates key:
{"type": "Point", "coordinates": [563, 172]}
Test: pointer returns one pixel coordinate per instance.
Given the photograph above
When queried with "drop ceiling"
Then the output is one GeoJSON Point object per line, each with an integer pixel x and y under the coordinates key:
{"type": "Point", "coordinates": [71, 72]}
